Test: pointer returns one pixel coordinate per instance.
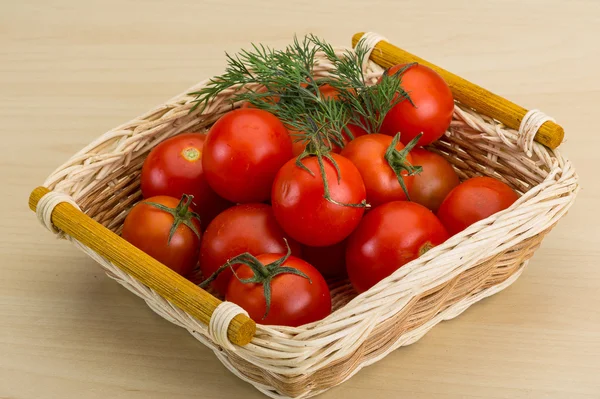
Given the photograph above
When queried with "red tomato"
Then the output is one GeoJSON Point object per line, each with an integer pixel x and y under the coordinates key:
{"type": "Point", "coordinates": [329, 261]}
{"type": "Point", "coordinates": [303, 212]}
{"type": "Point", "coordinates": [367, 153]}
{"type": "Point", "coordinates": [388, 237]}
{"type": "Point", "coordinates": [244, 228]}
{"type": "Point", "coordinates": [174, 168]}
{"type": "Point", "coordinates": [356, 131]}
{"type": "Point", "coordinates": [295, 300]}
{"type": "Point", "coordinates": [432, 111]}
{"type": "Point", "coordinates": [148, 227]}
{"type": "Point", "coordinates": [243, 152]}
{"type": "Point", "coordinates": [474, 200]}
{"type": "Point", "coordinates": [437, 179]}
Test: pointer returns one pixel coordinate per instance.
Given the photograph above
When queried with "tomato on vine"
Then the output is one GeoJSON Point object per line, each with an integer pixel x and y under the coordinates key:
{"type": "Point", "coordinates": [166, 229]}
{"type": "Point", "coordinates": [385, 166]}
{"type": "Point", "coordinates": [296, 299]}
{"type": "Point", "coordinates": [277, 289]}
{"type": "Point", "coordinates": [301, 206]}
{"type": "Point", "coordinates": [243, 228]}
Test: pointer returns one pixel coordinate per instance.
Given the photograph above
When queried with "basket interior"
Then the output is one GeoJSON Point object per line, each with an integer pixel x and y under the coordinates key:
{"type": "Point", "coordinates": [111, 199]}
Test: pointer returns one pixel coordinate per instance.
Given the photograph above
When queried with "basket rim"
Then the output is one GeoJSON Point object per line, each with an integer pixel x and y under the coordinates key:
{"type": "Point", "coordinates": [546, 202]}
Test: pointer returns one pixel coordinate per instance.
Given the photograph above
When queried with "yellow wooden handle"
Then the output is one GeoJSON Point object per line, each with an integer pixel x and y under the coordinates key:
{"type": "Point", "coordinates": [481, 100]}
{"type": "Point", "coordinates": [147, 270]}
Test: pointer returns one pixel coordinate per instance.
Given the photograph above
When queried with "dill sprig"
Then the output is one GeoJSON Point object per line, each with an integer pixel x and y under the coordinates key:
{"type": "Point", "coordinates": [367, 103]}
{"type": "Point", "coordinates": [283, 83]}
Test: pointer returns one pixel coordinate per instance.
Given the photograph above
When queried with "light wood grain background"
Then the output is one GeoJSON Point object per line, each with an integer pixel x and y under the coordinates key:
{"type": "Point", "coordinates": [70, 70]}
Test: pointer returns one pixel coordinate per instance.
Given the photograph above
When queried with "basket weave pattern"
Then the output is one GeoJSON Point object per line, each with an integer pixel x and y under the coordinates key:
{"type": "Point", "coordinates": [103, 178]}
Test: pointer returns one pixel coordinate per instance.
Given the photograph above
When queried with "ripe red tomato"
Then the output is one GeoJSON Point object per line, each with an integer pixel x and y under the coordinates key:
{"type": "Point", "coordinates": [355, 130]}
{"type": "Point", "coordinates": [243, 152]}
{"type": "Point", "coordinates": [437, 179]}
{"type": "Point", "coordinates": [243, 228]}
{"type": "Point", "coordinates": [174, 168]}
{"type": "Point", "coordinates": [367, 153]}
{"type": "Point", "coordinates": [303, 212]}
{"type": "Point", "coordinates": [329, 261]}
{"type": "Point", "coordinates": [473, 200]}
{"type": "Point", "coordinates": [387, 238]}
{"type": "Point", "coordinates": [148, 227]}
{"type": "Point", "coordinates": [432, 111]}
{"type": "Point", "coordinates": [295, 300]}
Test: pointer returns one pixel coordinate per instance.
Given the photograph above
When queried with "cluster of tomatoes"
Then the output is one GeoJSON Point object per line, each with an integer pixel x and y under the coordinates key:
{"type": "Point", "coordinates": [240, 190]}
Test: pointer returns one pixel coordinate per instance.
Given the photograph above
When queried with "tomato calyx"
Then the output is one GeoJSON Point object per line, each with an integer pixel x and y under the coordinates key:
{"type": "Point", "coordinates": [425, 247]}
{"type": "Point", "coordinates": [191, 154]}
{"type": "Point", "coordinates": [398, 162]}
{"type": "Point", "coordinates": [263, 274]}
{"type": "Point", "coordinates": [182, 214]}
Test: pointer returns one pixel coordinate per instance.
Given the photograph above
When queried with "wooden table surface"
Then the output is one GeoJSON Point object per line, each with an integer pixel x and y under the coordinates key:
{"type": "Point", "coordinates": [71, 70]}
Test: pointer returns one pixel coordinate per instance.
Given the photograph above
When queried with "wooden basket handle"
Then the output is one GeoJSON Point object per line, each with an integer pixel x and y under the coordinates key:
{"type": "Point", "coordinates": [481, 100]}
{"type": "Point", "coordinates": [147, 270]}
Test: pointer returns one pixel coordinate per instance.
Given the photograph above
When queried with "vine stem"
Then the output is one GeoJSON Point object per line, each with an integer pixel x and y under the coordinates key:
{"type": "Point", "coordinates": [398, 162]}
{"type": "Point", "coordinates": [262, 274]}
{"type": "Point", "coordinates": [182, 214]}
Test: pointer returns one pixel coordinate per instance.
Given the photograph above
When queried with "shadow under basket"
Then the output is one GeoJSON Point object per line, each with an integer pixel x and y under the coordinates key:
{"type": "Point", "coordinates": [92, 193]}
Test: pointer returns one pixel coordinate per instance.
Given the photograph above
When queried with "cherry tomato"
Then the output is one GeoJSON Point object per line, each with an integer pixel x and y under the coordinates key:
{"type": "Point", "coordinates": [243, 152]}
{"type": "Point", "coordinates": [367, 153]}
{"type": "Point", "coordinates": [295, 300]}
{"type": "Point", "coordinates": [174, 168]}
{"type": "Point", "coordinates": [437, 179]}
{"type": "Point", "coordinates": [433, 106]}
{"type": "Point", "coordinates": [329, 261]}
{"type": "Point", "coordinates": [303, 212]}
{"type": "Point", "coordinates": [148, 226]}
{"type": "Point", "coordinates": [387, 238]}
{"type": "Point", "coordinates": [473, 200]}
{"type": "Point", "coordinates": [243, 228]}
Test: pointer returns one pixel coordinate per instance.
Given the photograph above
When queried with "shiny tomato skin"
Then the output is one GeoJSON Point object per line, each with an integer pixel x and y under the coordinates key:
{"type": "Point", "coordinates": [437, 179]}
{"type": "Point", "coordinates": [387, 238]}
{"type": "Point", "coordinates": [295, 300]}
{"type": "Point", "coordinates": [243, 152]}
{"type": "Point", "coordinates": [432, 111]}
{"type": "Point", "coordinates": [473, 200]}
{"type": "Point", "coordinates": [367, 153]}
{"type": "Point", "coordinates": [147, 228]}
{"type": "Point", "coordinates": [301, 209]}
{"type": "Point", "coordinates": [174, 168]}
{"type": "Point", "coordinates": [329, 261]}
{"type": "Point", "coordinates": [242, 228]}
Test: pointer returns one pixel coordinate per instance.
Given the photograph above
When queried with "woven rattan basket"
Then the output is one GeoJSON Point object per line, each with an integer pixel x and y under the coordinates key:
{"type": "Point", "coordinates": [100, 183]}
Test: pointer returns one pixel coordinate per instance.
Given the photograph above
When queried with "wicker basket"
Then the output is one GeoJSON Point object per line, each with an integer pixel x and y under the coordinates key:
{"type": "Point", "coordinates": [102, 180]}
